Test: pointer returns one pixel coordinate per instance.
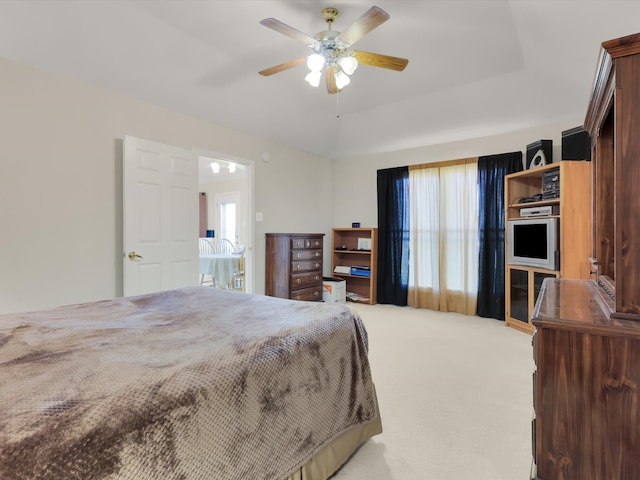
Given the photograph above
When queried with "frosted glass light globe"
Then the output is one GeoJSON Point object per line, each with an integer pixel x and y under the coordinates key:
{"type": "Point", "coordinates": [348, 64]}
{"type": "Point", "coordinates": [315, 62]}
{"type": "Point", "coordinates": [313, 78]}
{"type": "Point", "coordinates": [342, 79]}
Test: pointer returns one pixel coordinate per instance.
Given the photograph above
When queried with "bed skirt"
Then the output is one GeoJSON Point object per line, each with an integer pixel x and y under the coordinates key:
{"type": "Point", "coordinates": [331, 457]}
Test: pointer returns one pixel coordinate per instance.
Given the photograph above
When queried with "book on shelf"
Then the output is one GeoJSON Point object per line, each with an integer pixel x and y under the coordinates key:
{"type": "Point", "coordinates": [361, 271]}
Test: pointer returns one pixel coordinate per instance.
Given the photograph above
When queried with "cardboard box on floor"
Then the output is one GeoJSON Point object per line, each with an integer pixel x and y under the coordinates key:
{"type": "Point", "coordinates": [334, 290]}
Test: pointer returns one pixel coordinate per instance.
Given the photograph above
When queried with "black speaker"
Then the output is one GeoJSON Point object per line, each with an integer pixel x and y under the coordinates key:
{"type": "Point", "coordinates": [539, 153]}
{"type": "Point", "coordinates": [576, 144]}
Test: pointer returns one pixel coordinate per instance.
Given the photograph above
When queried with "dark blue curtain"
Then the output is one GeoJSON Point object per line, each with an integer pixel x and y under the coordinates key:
{"type": "Point", "coordinates": [491, 172]}
{"type": "Point", "coordinates": [393, 235]}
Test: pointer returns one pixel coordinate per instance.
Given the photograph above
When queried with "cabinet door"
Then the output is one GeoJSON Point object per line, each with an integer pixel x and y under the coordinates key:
{"type": "Point", "coordinates": [519, 299]}
{"type": "Point", "coordinates": [538, 278]}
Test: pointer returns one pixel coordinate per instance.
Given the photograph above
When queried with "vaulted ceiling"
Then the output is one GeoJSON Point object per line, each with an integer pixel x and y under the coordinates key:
{"type": "Point", "coordinates": [476, 67]}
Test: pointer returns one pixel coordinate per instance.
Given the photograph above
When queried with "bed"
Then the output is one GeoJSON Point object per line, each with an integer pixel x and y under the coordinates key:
{"type": "Point", "coordinates": [191, 383]}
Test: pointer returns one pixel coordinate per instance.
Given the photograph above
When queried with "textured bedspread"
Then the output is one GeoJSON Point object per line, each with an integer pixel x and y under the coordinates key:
{"type": "Point", "coordinates": [194, 383]}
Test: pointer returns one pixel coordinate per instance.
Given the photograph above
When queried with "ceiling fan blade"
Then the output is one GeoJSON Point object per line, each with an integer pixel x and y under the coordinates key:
{"type": "Point", "coordinates": [331, 80]}
{"type": "Point", "coordinates": [372, 18]}
{"type": "Point", "coordinates": [379, 60]}
{"type": "Point", "coordinates": [281, 67]}
{"type": "Point", "coordinates": [291, 32]}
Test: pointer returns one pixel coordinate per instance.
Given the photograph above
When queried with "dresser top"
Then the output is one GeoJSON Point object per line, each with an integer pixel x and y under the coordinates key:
{"type": "Point", "coordinates": [579, 305]}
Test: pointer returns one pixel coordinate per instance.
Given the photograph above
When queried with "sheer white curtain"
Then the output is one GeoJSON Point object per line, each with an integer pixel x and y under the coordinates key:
{"type": "Point", "coordinates": [443, 258]}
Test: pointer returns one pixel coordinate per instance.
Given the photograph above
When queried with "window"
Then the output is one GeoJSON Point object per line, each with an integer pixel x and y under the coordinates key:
{"type": "Point", "coordinates": [228, 221]}
{"type": "Point", "coordinates": [443, 258]}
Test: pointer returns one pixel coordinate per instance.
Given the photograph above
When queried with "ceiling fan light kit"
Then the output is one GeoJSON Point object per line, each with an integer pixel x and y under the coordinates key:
{"type": "Point", "coordinates": [313, 77]}
{"type": "Point", "coordinates": [331, 53]}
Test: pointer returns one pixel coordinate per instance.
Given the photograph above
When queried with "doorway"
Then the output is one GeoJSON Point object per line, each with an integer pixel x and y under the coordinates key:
{"type": "Point", "coordinates": [225, 185]}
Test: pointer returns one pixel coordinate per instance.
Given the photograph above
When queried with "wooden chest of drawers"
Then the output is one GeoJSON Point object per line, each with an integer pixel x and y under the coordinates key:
{"type": "Point", "coordinates": [294, 265]}
{"type": "Point", "coordinates": [586, 394]}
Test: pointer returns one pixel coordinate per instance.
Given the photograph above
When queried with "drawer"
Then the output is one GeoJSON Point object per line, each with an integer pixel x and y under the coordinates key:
{"type": "Point", "coordinates": [301, 242]}
{"type": "Point", "coordinates": [306, 265]}
{"type": "Point", "coordinates": [306, 255]}
{"type": "Point", "coordinates": [307, 279]}
{"type": "Point", "coordinates": [311, 294]}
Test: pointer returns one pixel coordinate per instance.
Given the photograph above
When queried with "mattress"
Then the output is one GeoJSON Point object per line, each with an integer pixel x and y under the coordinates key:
{"type": "Point", "coordinates": [192, 383]}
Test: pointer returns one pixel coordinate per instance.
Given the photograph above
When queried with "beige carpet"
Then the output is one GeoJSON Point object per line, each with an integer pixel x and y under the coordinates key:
{"type": "Point", "coordinates": [455, 396]}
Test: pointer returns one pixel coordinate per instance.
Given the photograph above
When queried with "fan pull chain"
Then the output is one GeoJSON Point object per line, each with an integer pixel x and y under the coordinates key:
{"type": "Point", "coordinates": [338, 104]}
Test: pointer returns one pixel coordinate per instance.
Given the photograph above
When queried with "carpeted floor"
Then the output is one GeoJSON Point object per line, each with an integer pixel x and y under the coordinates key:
{"type": "Point", "coordinates": [455, 396]}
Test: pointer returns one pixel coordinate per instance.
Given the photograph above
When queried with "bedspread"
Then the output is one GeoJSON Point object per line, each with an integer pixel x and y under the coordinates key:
{"type": "Point", "coordinates": [192, 383]}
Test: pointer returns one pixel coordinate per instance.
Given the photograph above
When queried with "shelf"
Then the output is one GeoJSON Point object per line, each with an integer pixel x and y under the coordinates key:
{"type": "Point", "coordinates": [357, 298]}
{"type": "Point", "coordinates": [349, 275]}
{"type": "Point", "coordinates": [536, 172]}
{"type": "Point", "coordinates": [360, 252]}
{"type": "Point", "coordinates": [364, 287]}
{"type": "Point", "coordinates": [538, 216]}
{"type": "Point", "coordinates": [541, 203]}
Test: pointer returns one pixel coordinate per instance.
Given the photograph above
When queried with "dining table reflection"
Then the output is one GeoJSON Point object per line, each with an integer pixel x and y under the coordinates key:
{"type": "Point", "coordinates": [220, 266]}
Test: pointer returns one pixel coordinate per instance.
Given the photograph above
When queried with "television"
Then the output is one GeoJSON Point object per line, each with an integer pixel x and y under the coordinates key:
{"type": "Point", "coordinates": [533, 242]}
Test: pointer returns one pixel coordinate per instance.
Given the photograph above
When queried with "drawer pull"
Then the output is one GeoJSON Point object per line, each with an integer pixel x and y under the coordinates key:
{"type": "Point", "coordinates": [317, 254]}
{"type": "Point", "coordinates": [298, 255]}
{"type": "Point", "coordinates": [316, 293]}
{"type": "Point", "coordinates": [316, 277]}
{"type": "Point", "coordinates": [317, 264]}
{"type": "Point", "coordinates": [298, 281]}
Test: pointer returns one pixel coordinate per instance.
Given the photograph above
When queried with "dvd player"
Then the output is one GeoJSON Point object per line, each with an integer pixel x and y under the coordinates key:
{"type": "Point", "coordinates": [542, 211]}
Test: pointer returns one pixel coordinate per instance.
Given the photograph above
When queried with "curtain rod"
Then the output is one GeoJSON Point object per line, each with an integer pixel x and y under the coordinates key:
{"type": "Point", "coordinates": [446, 163]}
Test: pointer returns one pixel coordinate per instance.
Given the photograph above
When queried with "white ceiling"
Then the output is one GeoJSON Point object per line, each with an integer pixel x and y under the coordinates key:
{"type": "Point", "coordinates": [475, 67]}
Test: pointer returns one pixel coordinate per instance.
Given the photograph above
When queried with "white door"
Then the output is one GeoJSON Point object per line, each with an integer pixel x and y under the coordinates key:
{"type": "Point", "coordinates": [160, 213]}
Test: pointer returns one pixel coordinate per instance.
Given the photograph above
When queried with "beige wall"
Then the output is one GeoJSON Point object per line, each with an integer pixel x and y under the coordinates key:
{"type": "Point", "coordinates": [61, 185]}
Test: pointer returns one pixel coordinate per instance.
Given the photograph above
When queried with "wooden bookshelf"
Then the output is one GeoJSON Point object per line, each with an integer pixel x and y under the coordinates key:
{"type": "Point", "coordinates": [348, 249]}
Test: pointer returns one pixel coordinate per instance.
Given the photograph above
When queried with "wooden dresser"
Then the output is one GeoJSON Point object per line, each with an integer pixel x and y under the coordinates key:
{"type": "Point", "coordinates": [586, 386]}
{"type": "Point", "coordinates": [587, 340]}
{"type": "Point", "coordinates": [294, 265]}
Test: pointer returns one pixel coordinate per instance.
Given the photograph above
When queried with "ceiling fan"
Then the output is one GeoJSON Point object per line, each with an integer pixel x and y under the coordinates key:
{"type": "Point", "coordinates": [331, 49]}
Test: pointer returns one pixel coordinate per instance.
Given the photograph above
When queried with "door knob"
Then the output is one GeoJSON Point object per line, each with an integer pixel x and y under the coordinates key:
{"type": "Point", "coordinates": [134, 255]}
